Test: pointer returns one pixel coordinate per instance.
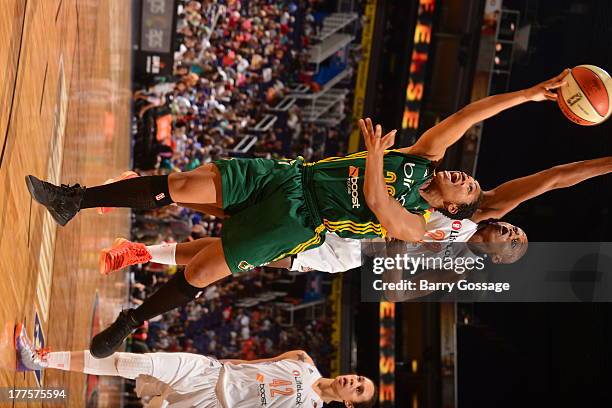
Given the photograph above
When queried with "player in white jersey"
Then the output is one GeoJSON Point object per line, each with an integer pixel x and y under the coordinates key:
{"type": "Point", "coordinates": [451, 263]}
{"type": "Point", "coordinates": [181, 380]}
{"type": "Point", "coordinates": [342, 254]}
{"type": "Point", "coordinates": [441, 228]}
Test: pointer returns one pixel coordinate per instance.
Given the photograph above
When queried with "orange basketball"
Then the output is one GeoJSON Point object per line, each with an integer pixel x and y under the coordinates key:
{"type": "Point", "coordinates": [587, 97]}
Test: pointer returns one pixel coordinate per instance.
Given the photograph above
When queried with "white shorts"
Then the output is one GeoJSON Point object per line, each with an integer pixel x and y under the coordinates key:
{"type": "Point", "coordinates": [180, 380]}
{"type": "Point", "coordinates": [334, 255]}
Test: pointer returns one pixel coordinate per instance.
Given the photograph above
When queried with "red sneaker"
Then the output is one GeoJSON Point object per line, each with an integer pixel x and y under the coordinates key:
{"type": "Point", "coordinates": [124, 176]}
{"type": "Point", "coordinates": [123, 253]}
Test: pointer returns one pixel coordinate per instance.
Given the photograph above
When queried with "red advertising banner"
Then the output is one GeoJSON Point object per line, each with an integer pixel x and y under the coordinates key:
{"type": "Point", "coordinates": [387, 355]}
{"type": "Point", "coordinates": [418, 66]}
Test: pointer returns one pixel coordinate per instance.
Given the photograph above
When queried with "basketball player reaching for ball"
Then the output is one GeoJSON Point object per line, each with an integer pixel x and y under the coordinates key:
{"type": "Point", "coordinates": [190, 380]}
{"type": "Point", "coordinates": [279, 207]}
{"type": "Point", "coordinates": [503, 242]}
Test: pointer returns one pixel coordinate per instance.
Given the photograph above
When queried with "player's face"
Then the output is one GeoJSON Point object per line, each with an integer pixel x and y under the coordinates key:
{"type": "Point", "coordinates": [504, 237]}
{"type": "Point", "coordinates": [500, 232]}
{"type": "Point", "coordinates": [353, 388]}
{"type": "Point", "coordinates": [457, 187]}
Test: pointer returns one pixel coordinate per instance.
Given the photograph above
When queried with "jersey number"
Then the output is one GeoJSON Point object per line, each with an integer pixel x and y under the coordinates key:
{"type": "Point", "coordinates": [390, 178]}
{"type": "Point", "coordinates": [280, 383]}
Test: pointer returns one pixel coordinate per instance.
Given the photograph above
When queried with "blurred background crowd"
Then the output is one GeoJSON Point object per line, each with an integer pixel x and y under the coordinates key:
{"type": "Point", "coordinates": [236, 64]}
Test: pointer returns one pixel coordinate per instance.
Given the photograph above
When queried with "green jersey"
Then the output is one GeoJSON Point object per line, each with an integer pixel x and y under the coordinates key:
{"type": "Point", "coordinates": [336, 185]}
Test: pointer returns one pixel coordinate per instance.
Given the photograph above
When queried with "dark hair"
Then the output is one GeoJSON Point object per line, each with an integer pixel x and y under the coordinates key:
{"type": "Point", "coordinates": [465, 210]}
{"type": "Point", "coordinates": [369, 403]}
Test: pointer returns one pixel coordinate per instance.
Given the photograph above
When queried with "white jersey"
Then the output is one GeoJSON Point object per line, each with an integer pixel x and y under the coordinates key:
{"type": "Point", "coordinates": [279, 384]}
{"type": "Point", "coordinates": [341, 254]}
{"type": "Point", "coordinates": [441, 228]}
{"type": "Point", "coordinates": [441, 250]}
{"type": "Point", "coordinates": [335, 255]}
{"type": "Point", "coordinates": [180, 380]}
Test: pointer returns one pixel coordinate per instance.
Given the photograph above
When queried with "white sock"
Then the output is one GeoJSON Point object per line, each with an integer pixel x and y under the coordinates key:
{"type": "Point", "coordinates": [163, 253]}
{"type": "Point", "coordinates": [127, 365]}
{"type": "Point", "coordinates": [99, 366]}
{"type": "Point", "coordinates": [59, 360]}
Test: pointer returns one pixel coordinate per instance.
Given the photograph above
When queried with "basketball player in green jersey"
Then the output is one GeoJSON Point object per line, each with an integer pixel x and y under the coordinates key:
{"type": "Point", "coordinates": [279, 208]}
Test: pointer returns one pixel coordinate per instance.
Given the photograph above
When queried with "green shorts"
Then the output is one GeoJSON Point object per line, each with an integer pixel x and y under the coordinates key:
{"type": "Point", "coordinates": [271, 214]}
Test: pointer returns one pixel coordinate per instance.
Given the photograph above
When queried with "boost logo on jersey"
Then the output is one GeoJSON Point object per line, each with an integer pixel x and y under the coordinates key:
{"type": "Point", "coordinates": [262, 389]}
{"type": "Point", "coordinates": [352, 188]}
{"type": "Point", "coordinates": [262, 395]}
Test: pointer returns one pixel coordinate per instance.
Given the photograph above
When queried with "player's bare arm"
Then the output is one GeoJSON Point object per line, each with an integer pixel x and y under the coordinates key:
{"type": "Point", "coordinates": [298, 355]}
{"type": "Point", "coordinates": [507, 196]}
{"type": "Point", "coordinates": [398, 222]}
{"type": "Point", "coordinates": [434, 142]}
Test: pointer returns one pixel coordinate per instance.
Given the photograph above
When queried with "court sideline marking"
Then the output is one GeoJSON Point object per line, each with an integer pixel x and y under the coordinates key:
{"type": "Point", "coordinates": [54, 170]}
{"type": "Point", "coordinates": [59, 7]}
{"type": "Point", "coordinates": [8, 123]}
{"type": "Point", "coordinates": [44, 85]}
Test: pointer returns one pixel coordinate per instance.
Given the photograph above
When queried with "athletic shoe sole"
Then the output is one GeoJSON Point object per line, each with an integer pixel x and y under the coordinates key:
{"type": "Point", "coordinates": [16, 335]}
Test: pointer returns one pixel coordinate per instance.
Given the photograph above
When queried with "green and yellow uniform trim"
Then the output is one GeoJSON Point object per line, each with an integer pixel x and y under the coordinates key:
{"type": "Point", "coordinates": [355, 227]}
{"type": "Point", "coordinates": [304, 246]}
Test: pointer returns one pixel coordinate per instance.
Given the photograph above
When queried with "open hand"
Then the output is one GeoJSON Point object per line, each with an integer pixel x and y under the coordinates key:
{"type": "Point", "coordinates": [543, 90]}
{"type": "Point", "coordinates": [374, 141]}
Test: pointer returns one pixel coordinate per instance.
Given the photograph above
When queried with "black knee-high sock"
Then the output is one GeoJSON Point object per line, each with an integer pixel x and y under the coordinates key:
{"type": "Point", "coordinates": [144, 193]}
{"type": "Point", "coordinates": [176, 292]}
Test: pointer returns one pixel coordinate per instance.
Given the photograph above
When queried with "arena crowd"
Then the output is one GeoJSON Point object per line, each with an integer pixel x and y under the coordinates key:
{"type": "Point", "coordinates": [234, 61]}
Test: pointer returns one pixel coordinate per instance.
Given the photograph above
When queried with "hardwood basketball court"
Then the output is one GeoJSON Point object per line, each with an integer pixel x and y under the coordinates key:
{"type": "Point", "coordinates": [64, 117]}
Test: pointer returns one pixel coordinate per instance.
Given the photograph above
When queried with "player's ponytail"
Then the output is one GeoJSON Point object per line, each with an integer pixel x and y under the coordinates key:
{"type": "Point", "coordinates": [464, 211]}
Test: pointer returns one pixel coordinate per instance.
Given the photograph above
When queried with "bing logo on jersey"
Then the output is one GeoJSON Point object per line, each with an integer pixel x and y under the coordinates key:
{"type": "Point", "coordinates": [408, 174]}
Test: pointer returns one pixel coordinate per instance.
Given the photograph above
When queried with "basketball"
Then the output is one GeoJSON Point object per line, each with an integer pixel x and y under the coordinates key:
{"type": "Point", "coordinates": [587, 97]}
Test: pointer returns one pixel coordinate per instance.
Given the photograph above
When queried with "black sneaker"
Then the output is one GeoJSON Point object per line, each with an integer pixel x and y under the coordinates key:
{"type": "Point", "coordinates": [63, 202]}
{"type": "Point", "coordinates": [107, 341]}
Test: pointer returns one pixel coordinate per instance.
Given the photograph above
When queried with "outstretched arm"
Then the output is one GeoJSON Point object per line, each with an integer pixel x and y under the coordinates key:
{"type": "Point", "coordinates": [298, 355]}
{"type": "Point", "coordinates": [398, 222]}
{"type": "Point", "coordinates": [434, 142]}
{"type": "Point", "coordinates": [507, 196]}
